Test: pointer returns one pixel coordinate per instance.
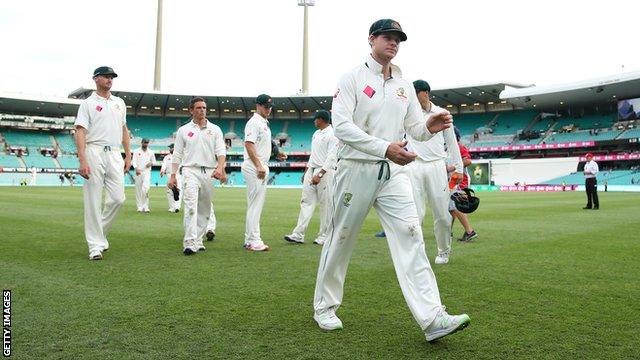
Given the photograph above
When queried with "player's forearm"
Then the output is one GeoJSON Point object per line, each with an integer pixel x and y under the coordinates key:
{"type": "Point", "coordinates": [221, 162]}
{"type": "Point", "coordinates": [452, 147]}
{"type": "Point", "coordinates": [81, 143]}
{"type": "Point", "coordinates": [126, 142]}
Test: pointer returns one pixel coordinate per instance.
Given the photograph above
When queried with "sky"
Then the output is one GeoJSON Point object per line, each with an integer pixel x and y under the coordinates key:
{"type": "Point", "coordinates": [248, 47]}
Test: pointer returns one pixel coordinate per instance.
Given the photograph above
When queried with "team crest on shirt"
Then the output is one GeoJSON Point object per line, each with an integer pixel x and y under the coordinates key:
{"type": "Point", "coordinates": [346, 199]}
{"type": "Point", "coordinates": [209, 132]}
{"type": "Point", "coordinates": [117, 106]}
{"type": "Point", "coordinates": [401, 93]}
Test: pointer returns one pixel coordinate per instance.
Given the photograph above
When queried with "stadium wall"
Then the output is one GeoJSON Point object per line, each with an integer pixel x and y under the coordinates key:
{"type": "Point", "coordinates": [530, 171]}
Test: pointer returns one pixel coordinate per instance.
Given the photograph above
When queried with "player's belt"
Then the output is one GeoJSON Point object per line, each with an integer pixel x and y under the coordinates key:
{"type": "Point", "coordinates": [383, 165]}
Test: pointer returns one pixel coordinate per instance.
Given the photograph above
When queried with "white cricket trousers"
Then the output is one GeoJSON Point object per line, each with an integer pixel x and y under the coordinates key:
{"type": "Point", "coordinates": [312, 195]}
{"type": "Point", "coordinates": [174, 205]}
{"type": "Point", "coordinates": [386, 186]}
{"type": "Point", "coordinates": [211, 225]}
{"type": "Point", "coordinates": [143, 183]}
{"type": "Point", "coordinates": [107, 173]}
{"type": "Point", "coordinates": [196, 194]}
{"type": "Point", "coordinates": [430, 184]}
{"type": "Point", "coordinates": [256, 193]}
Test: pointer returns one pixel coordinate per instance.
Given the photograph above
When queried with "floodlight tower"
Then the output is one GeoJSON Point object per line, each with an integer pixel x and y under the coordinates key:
{"type": "Point", "coordinates": [305, 45]}
{"type": "Point", "coordinates": [157, 72]}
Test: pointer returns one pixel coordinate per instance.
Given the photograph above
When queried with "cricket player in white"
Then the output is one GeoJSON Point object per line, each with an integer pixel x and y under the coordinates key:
{"type": "Point", "coordinates": [372, 110]}
{"type": "Point", "coordinates": [167, 169]}
{"type": "Point", "coordinates": [255, 170]}
{"type": "Point", "coordinates": [200, 155]}
{"type": "Point", "coordinates": [101, 126]}
{"type": "Point", "coordinates": [429, 174]}
{"type": "Point", "coordinates": [143, 160]}
{"type": "Point", "coordinates": [316, 183]}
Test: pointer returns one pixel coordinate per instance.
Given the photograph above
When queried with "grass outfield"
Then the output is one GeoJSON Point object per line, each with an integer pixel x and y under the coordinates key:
{"type": "Point", "coordinates": [545, 279]}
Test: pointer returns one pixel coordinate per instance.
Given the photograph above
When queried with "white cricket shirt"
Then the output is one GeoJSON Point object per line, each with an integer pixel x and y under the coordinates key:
{"type": "Point", "coordinates": [166, 164]}
{"type": "Point", "coordinates": [434, 149]}
{"type": "Point", "coordinates": [195, 146]}
{"type": "Point", "coordinates": [324, 147]}
{"type": "Point", "coordinates": [592, 167]}
{"type": "Point", "coordinates": [142, 158]}
{"type": "Point", "coordinates": [103, 120]}
{"type": "Point", "coordinates": [257, 131]}
{"type": "Point", "coordinates": [369, 113]}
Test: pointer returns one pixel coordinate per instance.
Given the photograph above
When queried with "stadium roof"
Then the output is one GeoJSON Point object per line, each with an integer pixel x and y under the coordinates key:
{"type": "Point", "coordinates": [471, 94]}
{"type": "Point", "coordinates": [222, 106]}
{"type": "Point", "coordinates": [603, 90]}
{"type": "Point", "coordinates": [17, 103]}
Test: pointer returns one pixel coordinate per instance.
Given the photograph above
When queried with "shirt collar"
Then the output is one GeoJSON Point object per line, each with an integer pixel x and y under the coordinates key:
{"type": "Point", "coordinates": [260, 117]}
{"type": "Point", "coordinates": [95, 94]}
{"type": "Point", "coordinates": [376, 67]}
{"type": "Point", "coordinates": [193, 124]}
{"type": "Point", "coordinates": [325, 129]}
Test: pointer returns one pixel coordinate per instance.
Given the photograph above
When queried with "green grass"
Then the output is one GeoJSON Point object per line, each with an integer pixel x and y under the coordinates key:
{"type": "Point", "coordinates": [544, 280]}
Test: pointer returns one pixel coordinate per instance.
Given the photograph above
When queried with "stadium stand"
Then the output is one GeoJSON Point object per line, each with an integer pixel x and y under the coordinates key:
{"type": "Point", "coordinates": [39, 161]}
{"type": "Point", "coordinates": [33, 140]}
{"type": "Point", "coordinates": [68, 161]}
{"type": "Point", "coordinates": [66, 143]}
{"type": "Point", "coordinates": [300, 133]}
{"type": "Point", "coordinates": [510, 122]}
{"type": "Point", "coordinates": [630, 134]}
{"type": "Point", "coordinates": [614, 177]}
{"type": "Point", "coordinates": [9, 161]}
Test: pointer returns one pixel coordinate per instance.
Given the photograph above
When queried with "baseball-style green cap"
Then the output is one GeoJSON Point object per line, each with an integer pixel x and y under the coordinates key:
{"type": "Point", "coordinates": [385, 26]}
{"type": "Point", "coordinates": [145, 140]}
{"type": "Point", "coordinates": [421, 85]}
{"type": "Point", "coordinates": [104, 70]}
{"type": "Point", "coordinates": [264, 100]}
{"type": "Point", "coordinates": [324, 115]}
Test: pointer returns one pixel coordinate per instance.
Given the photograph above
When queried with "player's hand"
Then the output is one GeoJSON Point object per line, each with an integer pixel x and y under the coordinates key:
{"type": "Point", "coordinates": [162, 173]}
{"type": "Point", "coordinates": [220, 175]}
{"type": "Point", "coordinates": [315, 180]}
{"type": "Point", "coordinates": [439, 121]}
{"type": "Point", "coordinates": [262, 173]}
{"type": "Point", "coordinates": [282, 156]}
{"type": "Point", "coordinates": [84, 169]}
{"type": "Point", "coordinates": [450, 168]}
{"type": "Point", "coordinates": [172, 182]}
{"type": "Point", "coordinates": [397, 153]}
{"type": "Point", "coordinates": [127, 163]}
{"type": "Point", "coordinates": [138, 172]}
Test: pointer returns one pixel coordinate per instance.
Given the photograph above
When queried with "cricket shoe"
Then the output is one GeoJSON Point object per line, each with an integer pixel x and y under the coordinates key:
{"type": "Point", "coordinates": [95, 255]}
{"type": "Point", "coordinates": [188, 251]}
{"type": "Point", "coordinates": [469, 236]}
{"type": "Point", "coordinates": [381, 234]}
{"type": "Point", "coordinates": [293, 238]}
{"type": "Point", "coordinates": [202, 248]}
{"type": "Point", "coordinates": [259, 246]}
{"type": "Point", "coordinates": [442, 258]}
{"type": "Point", "coordinates": [319, 241]}
{"type": "Point", "coordinates": [445, 324]}
{"type": "Point", "coordinates": [327, 319]}
{"type": "Point", "coordinates": [210, 235]}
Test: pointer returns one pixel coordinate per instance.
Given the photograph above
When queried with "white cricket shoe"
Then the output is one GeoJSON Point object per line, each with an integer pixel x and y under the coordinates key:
{"type": "Point", "coordinates": [442, 258]}
{"type": "Point", "coordinates": [445, 324]}
{"type": "Point", "coordinates": [319, 241]}
{"type": "Point", "coordinates": [95, 255]}
{"type": "Point", "coordinates": [327, 319]}
{"type": "Point", "coordinates": [294, 238]}
{"type": "Point", "coordinates": [257, 246]}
